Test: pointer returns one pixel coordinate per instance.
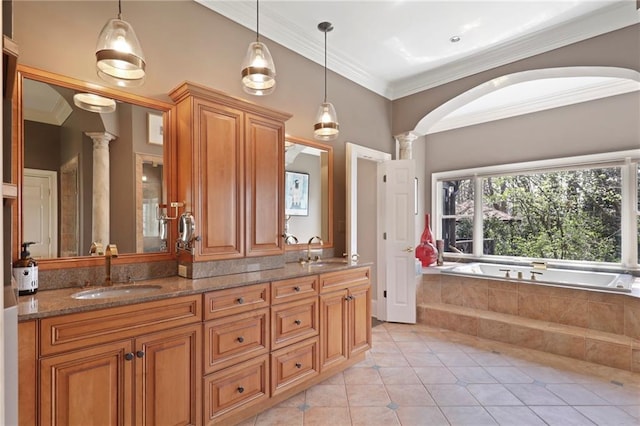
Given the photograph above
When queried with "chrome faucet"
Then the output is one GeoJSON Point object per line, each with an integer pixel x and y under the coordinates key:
{"type": "Point", "coordinates": [311, 240]}
{"type": "Point", "coordinates": [110, 252]}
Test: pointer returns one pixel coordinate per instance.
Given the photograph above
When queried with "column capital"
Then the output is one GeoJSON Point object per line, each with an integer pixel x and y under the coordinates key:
{"type": "Point", "coordinates": [101, 137]}
{"type": "Point", "coordinates": [405, 140]}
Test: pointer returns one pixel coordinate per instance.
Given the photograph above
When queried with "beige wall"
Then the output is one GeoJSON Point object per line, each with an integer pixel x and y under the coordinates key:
{"type": "Point", "coordinates": [182, 40]}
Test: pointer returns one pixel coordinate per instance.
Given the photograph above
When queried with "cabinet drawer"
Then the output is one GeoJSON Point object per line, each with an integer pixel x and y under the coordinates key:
{"type": "Point", "coordinates": [67, 332]}
{"type": "Point", "coordinates": [236, 388]}
{"type": "Point", "coordinates": [294, 321]}
{"type": "Point", "coordinates": [294, 289]}
{"type": "Point", "coordinates": [293, 364]}
{"type": "Point", "coordinates": [343, 279]}
{"type": "Point", "coordinates": [236, 338]}
{"type": "Point", "coordinates": [231, 301]}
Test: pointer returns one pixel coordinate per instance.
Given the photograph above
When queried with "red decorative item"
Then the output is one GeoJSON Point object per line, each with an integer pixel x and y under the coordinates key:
{"type": "Point", "coordinates": [427, 251]}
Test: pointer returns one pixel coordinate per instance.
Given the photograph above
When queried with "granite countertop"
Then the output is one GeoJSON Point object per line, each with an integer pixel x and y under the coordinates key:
{"type": "Point", "coordinates": [58, 302]}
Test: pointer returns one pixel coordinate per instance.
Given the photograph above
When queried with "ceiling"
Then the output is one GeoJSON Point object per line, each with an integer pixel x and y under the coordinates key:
{"type": "Point", "coordinates": [399, 47]}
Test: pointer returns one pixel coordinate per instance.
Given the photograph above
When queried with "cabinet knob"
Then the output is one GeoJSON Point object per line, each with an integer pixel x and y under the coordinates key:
{"type": "Point", "coordinates": [240, 389]}
{"type": "Point", "coordinates": [240, 339]}
{"type": "Point", "coordinates": [348, 298]}
{"type": "Point", "coordinates": [128, 356]}
{"type": "Point", "coordinates": [298, 365]}
{"type": "Point", "coordinates": [240, 300]}
{"type": "Point", "coordinates": [296, 288]}
{"type": "Point", "coordinates": [298, 322]}
{"type": "Point", "coordinates": [140, 354]}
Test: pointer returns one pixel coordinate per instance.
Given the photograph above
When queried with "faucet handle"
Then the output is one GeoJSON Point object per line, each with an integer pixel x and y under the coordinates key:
{"type": "Point", "coordinates": [112, 250]}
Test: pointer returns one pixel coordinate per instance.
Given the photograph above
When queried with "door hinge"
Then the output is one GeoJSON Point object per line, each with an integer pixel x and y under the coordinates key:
{"type": "Point", "coordinates": [384, 235]}
{"type": "Point", "coordinates": [384, 178]}
{"type": "Point", "coordinates": [384, 294]}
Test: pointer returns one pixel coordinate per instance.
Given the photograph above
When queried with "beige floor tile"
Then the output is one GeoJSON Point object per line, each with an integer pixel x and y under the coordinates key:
{"type": "Point", "coordinates": [280, 417]}
{"type": "Point", "coordinates": [473, 374]}
{"type": "Point", "coordinates": [468, 416]}
{"type": "Point", "coordinates": [410, 395]}
{"type": "Point", "coordinates": [434, 375]}
{"type": "Point", "coordinates": [508, 375]}
{"type": "Point", "coordinates": [456, 359]}
{"type": "Point", "coordinates": [441, 346]}
{"type": "Point", "coordinates": [632, 410]}
{"type": "Point", "coordinates": [614, 394]}
{"type": "Point", "coordinates": [420, 416]}
{"type": "Point", "coordinates": [608, 416]}
{"type": "Point", "coordinates": [561, 416]}
{"type": "Point", "coordinates": [249, 422]}
{"type": "Point", "coordinates": [369, 361]}
{"type": "Point", "coordinates": [451, 395]}
{"type": "Point", "coordinates": [493, 394]}
{"type": "Point", "coordinates": [532, 394]}
{"type": "Point", "coordinates": [336, 379]}
{"type": "Point", "coordinates": [373, 416]}
{"type": "Point", "coordinates": [294, 401]}
{"type": "Point", "coordinates": [390, 360]}
{"type": "Point", "coordinates": [423, 359]}
{"type": "Point", "coordinates": [413, 346]}
{"type": "Point", "coordinates": [385, 348]}
{"type": "Point", "coordinates": [327, 396]}
{"type": "Point", "coordinates": [399, 376]}
{"type": "Point", "coordinates": [367, 396]}
{"type": "Point", "coordinates": [574, 394]}
{"type": "Point", "coordinates": [323, 416]}
{"type": "Point", "coordinates": [489, 359]}
{"type": "Point", "coordinates": [520, 416]}
{"type": "Point", "coordinates": [405, 337]}
{"type": "Point", "coordinates": [362, 376]}
{"type": "Point", "coordinates": [546, 374]}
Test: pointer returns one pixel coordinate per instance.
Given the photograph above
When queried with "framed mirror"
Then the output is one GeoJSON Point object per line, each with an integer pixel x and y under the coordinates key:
{"type": "Point", "coordinates": [92, 166]}
{"type": "Point", "coordinates": [308, 192]}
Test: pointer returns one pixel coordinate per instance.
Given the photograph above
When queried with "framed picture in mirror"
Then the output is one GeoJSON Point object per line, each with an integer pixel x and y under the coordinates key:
{"type": "Point", "coordinates": [296, 194]}
{"type": "Point", "coordinates": [154, 129]}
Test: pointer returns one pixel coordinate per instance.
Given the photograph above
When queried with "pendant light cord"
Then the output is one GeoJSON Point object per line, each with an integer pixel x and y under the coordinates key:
{"type": "Point", "coordinates": [120, 9]}
{"type": "Point", "coordinates": [257, 20]}
{"type": "Point", "coordinates": [325, 67]}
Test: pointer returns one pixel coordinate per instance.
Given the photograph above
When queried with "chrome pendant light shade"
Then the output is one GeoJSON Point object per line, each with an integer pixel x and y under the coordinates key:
{"type": "Point", "coordinates": [258, 69]}
{"type": "Point", "coordinates": [119, 57]}
{"type": "Point", "coordinates": [326, 127]}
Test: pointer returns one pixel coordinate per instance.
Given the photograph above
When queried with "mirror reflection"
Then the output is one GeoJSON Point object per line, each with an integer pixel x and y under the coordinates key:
{"type": "Point", "coordinates": [308, 191]}
{"type": "Point", "coordinates": [90, 177]}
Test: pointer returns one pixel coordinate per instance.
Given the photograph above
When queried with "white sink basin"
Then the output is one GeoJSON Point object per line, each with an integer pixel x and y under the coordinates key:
{"type": "Point", "coordinates": [112, 292]}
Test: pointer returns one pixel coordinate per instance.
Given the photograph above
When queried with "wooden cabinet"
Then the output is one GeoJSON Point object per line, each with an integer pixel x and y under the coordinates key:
{"type": "Point", "coordinates": [345, 316]}
{"type": "Point", "coordinates": [137, 364]}
{"type": "Point", "coordinates": [28, 373]}
{"type": "Point", "coordinates": [230, 156]}
{"type": "Point", "coordinates": [294, 364]}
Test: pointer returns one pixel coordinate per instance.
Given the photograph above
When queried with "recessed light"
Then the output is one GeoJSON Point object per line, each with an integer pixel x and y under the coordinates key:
{"type": "Point", "coordinates": [454, 39]}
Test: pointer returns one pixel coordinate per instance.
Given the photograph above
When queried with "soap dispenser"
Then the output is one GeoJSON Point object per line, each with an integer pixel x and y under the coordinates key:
{"type": "Point", "coordinates": [25, 272]}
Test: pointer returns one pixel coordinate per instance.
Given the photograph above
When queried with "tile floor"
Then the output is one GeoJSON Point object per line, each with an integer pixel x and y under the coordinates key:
{"type": "Point", "coordinates": [419, 375]}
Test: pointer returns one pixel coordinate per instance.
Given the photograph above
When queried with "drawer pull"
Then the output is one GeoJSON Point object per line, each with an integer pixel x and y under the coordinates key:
{"type": "Point", "coordinates": [298, 365]}
{"type": "Point", "coordinates": [128, 356]}
{"type": "Point", "coordinates": [298, 322]}
{"type": "Point", "coordinates": [240, 339]}
{"type": "Point", "coordinates": [348, 298]}
{"type": "Point", "coordinates": [240, 389]}
{"type": "Point", "coordinates": [297, 288]}
{"type": "Point", "coordinates": [140, 354]}
{"type": "Point", "coordinates": [240, 300]}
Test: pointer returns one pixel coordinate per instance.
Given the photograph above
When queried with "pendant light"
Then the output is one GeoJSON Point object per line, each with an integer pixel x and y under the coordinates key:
{"type": "Point", "coordinates": [258, 69]}
{"type": "Point", "coordinates": [119, 57]}
{"type": "Point", "coordinates": [326, 127]}
{"type": "Point", "coordinates": [94, 103]}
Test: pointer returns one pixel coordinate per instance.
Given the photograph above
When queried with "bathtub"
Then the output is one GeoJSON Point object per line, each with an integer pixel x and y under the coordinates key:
{"type": "Point", "coordinates": [561, 277]}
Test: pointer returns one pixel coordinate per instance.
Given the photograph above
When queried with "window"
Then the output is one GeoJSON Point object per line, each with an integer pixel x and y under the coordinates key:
{"type": "Point", "coordinates": [569, 210]}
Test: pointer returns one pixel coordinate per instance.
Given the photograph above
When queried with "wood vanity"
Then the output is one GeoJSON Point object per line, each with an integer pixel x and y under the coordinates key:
{"type": "Point", "coordinates": [211, 357]}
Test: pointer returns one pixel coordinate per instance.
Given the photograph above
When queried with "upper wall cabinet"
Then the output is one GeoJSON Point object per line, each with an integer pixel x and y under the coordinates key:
{"type": "Point", "coordinates": [230, 173]}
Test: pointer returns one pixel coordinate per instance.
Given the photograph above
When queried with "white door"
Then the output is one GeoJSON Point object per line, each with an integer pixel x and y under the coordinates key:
{"type": "Point", "coordinates": [39, 210]}
{"type": "Point", "coordinates": [399, 201]}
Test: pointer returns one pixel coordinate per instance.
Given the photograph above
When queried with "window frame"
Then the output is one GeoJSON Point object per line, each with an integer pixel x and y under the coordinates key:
{"type": "Point", "coordinates": [630, 211]}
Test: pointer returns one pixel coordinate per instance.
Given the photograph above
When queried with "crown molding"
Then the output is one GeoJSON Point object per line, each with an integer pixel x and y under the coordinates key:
{"type": "Point", "coordinates": [541, 103]}
{"type": "Point", "coordinates": [308, 44]}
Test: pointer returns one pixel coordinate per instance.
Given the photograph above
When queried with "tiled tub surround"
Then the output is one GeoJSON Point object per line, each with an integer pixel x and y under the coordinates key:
{"type": "Point", "coordinates": [599, 327]}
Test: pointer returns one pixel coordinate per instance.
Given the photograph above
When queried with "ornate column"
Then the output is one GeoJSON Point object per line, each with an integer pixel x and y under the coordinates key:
{"type": "Point", "coordinates": [100, 209]}
{"type": "Point", "coordinates": [405, 140]}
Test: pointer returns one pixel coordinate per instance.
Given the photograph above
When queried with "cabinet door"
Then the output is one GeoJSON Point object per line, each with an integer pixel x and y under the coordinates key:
{"type": "Point", "coordinates": [333, 329]}
{"type": "Point", "coordinates": [91, 386]}
{"type": "Point", "coordinates": [168, 372]}
{"type": "Point", "coordinates": [264, 186]}
{"type": "Point", "coordinates": [27, 373]}
{"type": "Point", "coordinates": [218, 172]}
{"type": "Point", "coordinates": [359, 319]}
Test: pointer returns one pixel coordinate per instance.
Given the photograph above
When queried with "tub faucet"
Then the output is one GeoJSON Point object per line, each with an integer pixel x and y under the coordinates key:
{"type": "Point", "coordinates": [110, 252]}
{"type": "Point", "coordinates": [311, 240]}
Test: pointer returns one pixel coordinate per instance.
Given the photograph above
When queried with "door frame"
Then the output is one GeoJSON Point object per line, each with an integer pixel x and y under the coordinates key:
{"type": "Point", "coordinates": [353, 153]}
